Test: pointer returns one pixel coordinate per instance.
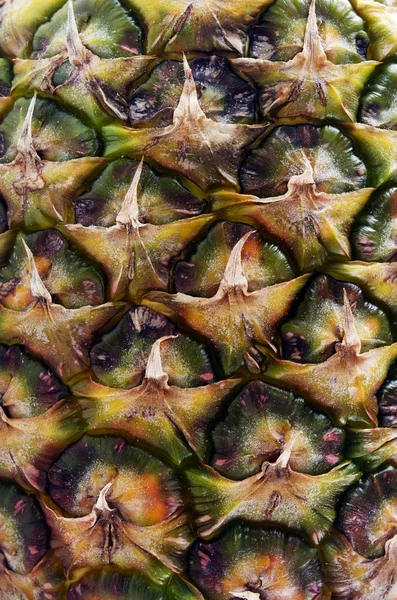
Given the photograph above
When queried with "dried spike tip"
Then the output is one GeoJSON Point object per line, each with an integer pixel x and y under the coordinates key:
{"type": "Point", "coordinates": [37, 286]}
{"type": "Point", "coordinates": [142, 532]}
{"type": "Point", "coordinates": [285, 456]}
{"type": "Point", "coordinates": [234, 276]}
{"type": "Point", "coordinates": [313, 50]}
{"type": "Point", "coordinates": [120, 357]}
{"type": "Point", "coordinates": [351, 338]}
{"type": "Point", "coordinates": [27, 156]}
{"type": "Point", "coordinates": [201, 271]}
{"type": "Point", "coordinates": [188, 105]}
{"type": "Point", "coordinates": [310, 336]}
{"type": "Point", "coordinates": [101, 503]}
{"type": "Point", "coordinates": [154, 367]}
{"type": "Point", "coordinates": [305, 504]}
{"type": "Point", "coordinates": [304, 179]}
{"type": "Point", "coordinates": [3, 416]}
{"type": "Point", "coordinates": [77, 53]}
{"type": "Point", "coordinates": [275, 425]}
{"type": "Point", "coordinates": [129, 212]}
{"type": "Point", "coordinates": [25, 141]}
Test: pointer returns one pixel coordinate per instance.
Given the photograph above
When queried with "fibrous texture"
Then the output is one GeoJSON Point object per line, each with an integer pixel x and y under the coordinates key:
{"type": "Point", "coordinates": [198, 300]}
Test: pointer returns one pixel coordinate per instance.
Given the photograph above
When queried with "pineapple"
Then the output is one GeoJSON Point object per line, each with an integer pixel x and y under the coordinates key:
{"type": "Point", "coordinates": [198, 300]}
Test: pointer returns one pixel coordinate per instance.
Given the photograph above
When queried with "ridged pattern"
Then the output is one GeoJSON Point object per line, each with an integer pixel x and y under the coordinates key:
{"type": "Point", "coordinates": [198, 300]}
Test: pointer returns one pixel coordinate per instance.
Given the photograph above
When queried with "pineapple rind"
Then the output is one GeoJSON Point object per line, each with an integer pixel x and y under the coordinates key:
{"type": "Point", "coordinates": [198, 300]}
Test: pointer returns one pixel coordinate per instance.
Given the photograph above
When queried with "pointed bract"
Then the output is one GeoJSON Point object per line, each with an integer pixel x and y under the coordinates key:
{"type": "Point", "coordinates": [60, 336]}
{"type": "Point", "coordinates": [276, 495]}
{"type": "Point", "coordinates": [95, 87]}
{"type": "Point", "coordinates": [344, 385]}
{"type": "Point", "coordinates": [136, 257]}
{"type": "Point", "coordinates": [142, 526]}
{"type": "Point", "coordinates": [309, 86]}
{"type": "Point", "coordinates": [162, 416]}
{"type": "Point", "coordinates": [233, 320]}
{"type": "Point", "coordinates": [206, 152]}
{"type": "Point", "coordinates": [311, 225]}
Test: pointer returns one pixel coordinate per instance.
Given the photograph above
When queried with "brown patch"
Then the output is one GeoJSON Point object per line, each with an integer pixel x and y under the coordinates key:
{"type": "Point", "coordinates": [8, 287]}
{"type": "Point", "coordinates": [273, 503]}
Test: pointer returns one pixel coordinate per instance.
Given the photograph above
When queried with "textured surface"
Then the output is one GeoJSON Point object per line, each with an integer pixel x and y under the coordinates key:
{"type": "Point", "coordinates": [198, 300]}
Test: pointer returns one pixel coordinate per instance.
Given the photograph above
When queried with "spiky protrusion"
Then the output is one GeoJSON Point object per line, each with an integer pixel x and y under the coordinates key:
{"type": "Point", "coordinates": [234, 320]}
{"type": "Point", "coordinates": [27, 158]}
{"type": "Point", "coordinates": [128, 215]}
{"type": "Point", "coordinates": [351, 341]}
{"type": "Point", "coordinates": [167, 417]}
{"type": "Point", "coordinates": [154, 368]}
{"type": "Point", "coordinates": [217, 148]}
{"type": "Point", "coordinates": [78, 55]}
{"type": "Point", "coordinates": [309, 84]}
{"type": "Point", "coordinates": [234, 278]}
{"type": "Point", "coordinates": [37, 286]}
{"type": "Point", "coordinates": [142, 425]}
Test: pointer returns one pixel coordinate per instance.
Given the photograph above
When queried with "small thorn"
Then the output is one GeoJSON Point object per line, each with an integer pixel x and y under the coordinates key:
{"type": "Point", "coordinates": [234, 276]}
{"type": "Point", "coordinates": [3, 416]}
{"type": "Point", "coordinates": [25, 142]}
{"type": "Point", "coordinates": [285, 456]}
{"type": "Point", "coordinates": [246, 595]}
{"type": "Point", "coordinates": [306, 178]}
{"type": "Point", "coordinates": [101, 503]}
{"type": "Point", "coordinates": [350, 335]}
{"type": "Point", "coordinates": [186, 67]}
{"type": "Point", "coordinates": [391, 547]}
{"type": "Point", "coordinates": [154, 367]}
{"type": "Point", "coordinates": [312, 46]}
{"type": "Point", "coordinates": [37, 286]}
{"type": "Point", "coordinates": [76, 50]}
{"type": "Point", "coordinates": [129, 212]}
{"type": "Point", "coordinates": [188, 106]}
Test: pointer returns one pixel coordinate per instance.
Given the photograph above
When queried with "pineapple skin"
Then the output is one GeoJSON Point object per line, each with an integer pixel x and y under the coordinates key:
{"type": "Point", "coordinates": [198, 351]}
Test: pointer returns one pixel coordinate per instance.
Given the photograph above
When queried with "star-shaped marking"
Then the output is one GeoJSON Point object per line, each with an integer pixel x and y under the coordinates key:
{"type": "Point", "coordinates": [206, 152]}
{"type": "Point", "coordinates": [345, 385]}
{"type": "Point", "coordinates": [154, 412]}
{"type": "Point", "coordinates": [136, 256]}
{"type": "Point", "coordinates": [234, 320]}
{"type": "Point", "coordinates": [107, 536]}
{"type": "Point", "coordinates": [277, 495]}
{"type": "Point", "coordinates": [96, 86]}
{"type": "Point", "coordinates": [41, 192]}
{"type": "Point", "coordinates": [60, 336]}
{"type": "Point", "coordinates": [311, 224]}
{"type": "Point", "coordinates": [308, 86]}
